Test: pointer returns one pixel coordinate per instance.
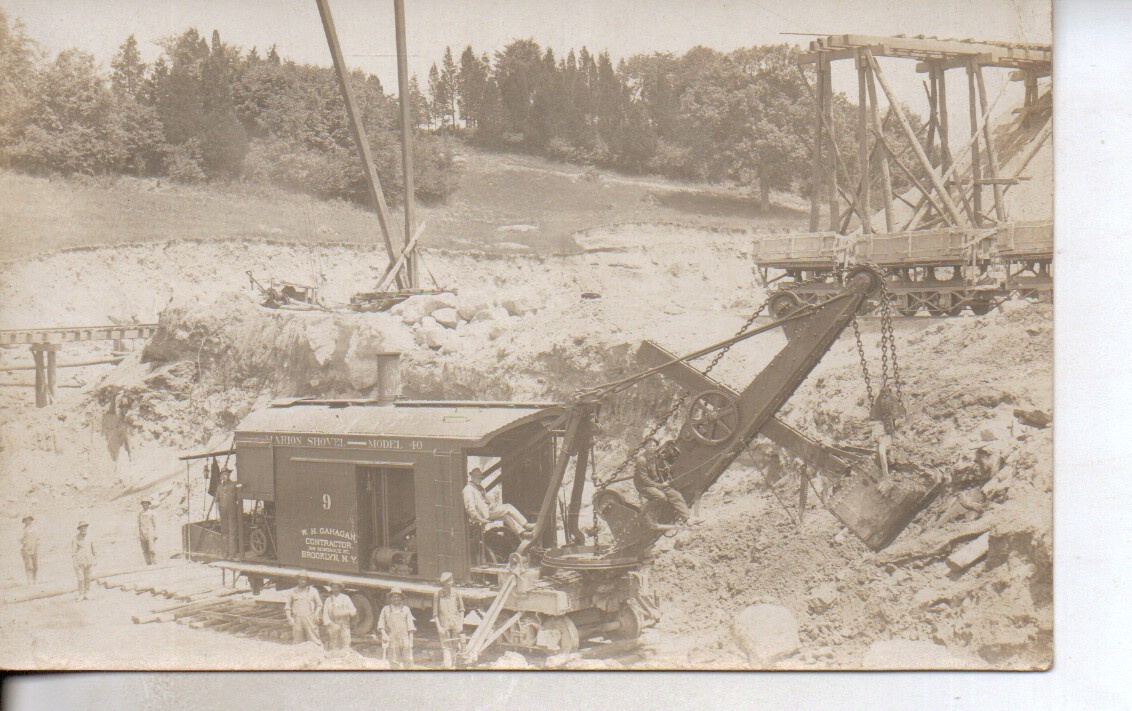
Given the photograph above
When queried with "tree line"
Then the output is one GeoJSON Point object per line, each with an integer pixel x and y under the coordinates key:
{"type": "Point", "coordinates": [207, 110]}
{"type": "Point", "coordinates": [744, 116]}
{"type": "Point", "coordinates": [204, 110]}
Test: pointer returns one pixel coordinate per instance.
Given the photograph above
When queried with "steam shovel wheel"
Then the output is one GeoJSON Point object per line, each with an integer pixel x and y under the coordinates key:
{"type": "Point", "coordinates": [783, 304]}
{"type": "Point", "coordinates": [257, 541]}
{"type": "Point", "coordinates": [631, 623]}
{"type": "Point", "coordinates": [362, 624]}
{"type": "Point", "coordinates": [713, 417]}
{"type": "Point", "coordinates": [568, 639]}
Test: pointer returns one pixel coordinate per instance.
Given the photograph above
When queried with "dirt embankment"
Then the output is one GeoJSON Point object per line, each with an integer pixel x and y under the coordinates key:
{"type": "Point", "coordinates": [530, 327]}
{"type": "Point", "coordinates": [963, 381]}
{"type": "Point", "coordinates": [517, 327]}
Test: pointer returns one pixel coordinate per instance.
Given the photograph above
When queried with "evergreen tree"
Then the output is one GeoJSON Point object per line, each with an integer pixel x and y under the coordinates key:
{"type": "Point", "coordinates": [419, 106]}
{"type": "Point", "coordinates": [134, 121]}
{"type": "Point", "coordinates": [223, 140]}
{"type": "Point", "coordinates": [441, 96]}
{"type": "Point", "coordinates": [128, 75]}
{"type": "Point", "coordinates": [489, 116]}
{"type": "Point", "coordinates": [517, 68]}
{"type": "Point", "coordinates": [449, 75]}
{"type": "Point", "coordinates": [470, 84]}
{"type": "Point", "coordinates": [180, 101]}
{"type": "Point", "coordinates": [154, 80]}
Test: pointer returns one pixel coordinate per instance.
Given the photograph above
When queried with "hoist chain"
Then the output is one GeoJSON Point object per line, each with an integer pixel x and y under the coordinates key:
{"type": "Point", "coordinates": [889, 366]}
{"type": "Point", "coordinates": [888, 339]}
{"type": "Point", "coordinates": [864, 362]}
{"type": "Point", "coordinates": [679, 404]}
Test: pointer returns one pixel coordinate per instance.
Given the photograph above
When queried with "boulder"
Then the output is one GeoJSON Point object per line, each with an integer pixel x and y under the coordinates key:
{"type": "Point", "coordinates": [450, 342]}
{"type": "Point", "coordinates": [431, 334]}
{"type": "Point", "coordinates": [510, 660]}
{"type": "Point", "coordinates": [415, 308]}
{"type": "Point", "coordinates": [498, 328]}
{"type": "Point", "coordinates": [766, 633]}
{"type": "Point", "coordinates": [437, 339]}
{"type": "Point", "coordinates": [519, 304]}
{"type": "Point", "coordinates": [427, 326]}
{"type": "Point", "coordinates": [447, 317]}
{"type": "Point", "coordinates": [471, 304]}
{"type": "Point", "coordinates": [322, 335]}
{"type": "Point", "coordinates": [1033, 418]}
{"type": "Point", "coordinates": [494, 313]}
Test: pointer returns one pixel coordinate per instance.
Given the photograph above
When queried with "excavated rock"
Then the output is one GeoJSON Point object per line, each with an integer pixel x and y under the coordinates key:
{"type": "Point", "coordinates": [766, 633]}
{"type": "Point", "coordinates": [447, 317]}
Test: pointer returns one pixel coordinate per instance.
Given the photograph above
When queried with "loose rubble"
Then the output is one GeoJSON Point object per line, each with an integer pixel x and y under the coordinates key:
{"type": "Point", "coordinates": [941, 581]}
{"type": "Point", "coordinates": [971, 576]}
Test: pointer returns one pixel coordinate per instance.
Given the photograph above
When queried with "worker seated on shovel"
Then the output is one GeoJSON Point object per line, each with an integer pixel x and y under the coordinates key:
{"type": "Point", "coordinates": [651, 488]}
{"type": "Point", "coordinates": [886, 410]}
{"type": "Point", "coordinates": [483, 512]}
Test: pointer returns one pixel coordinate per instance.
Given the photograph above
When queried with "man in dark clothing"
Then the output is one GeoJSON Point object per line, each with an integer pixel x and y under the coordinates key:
{"type": "Point", "coordinates": [228, 504]}
{"type": "Point", "coordinates": [649, 486]}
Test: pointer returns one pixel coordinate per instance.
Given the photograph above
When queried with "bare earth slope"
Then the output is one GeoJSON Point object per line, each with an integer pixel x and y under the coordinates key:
{"type": "Point", "coordinates": [528, 325]}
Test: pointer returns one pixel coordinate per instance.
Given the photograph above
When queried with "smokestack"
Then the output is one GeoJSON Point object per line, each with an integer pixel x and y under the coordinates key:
{"type": "Point", "coordinates": [388, 378]}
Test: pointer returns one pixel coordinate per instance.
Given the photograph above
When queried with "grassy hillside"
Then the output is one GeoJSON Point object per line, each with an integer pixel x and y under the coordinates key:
{"type": "Point", "coordinates": [503, 202]}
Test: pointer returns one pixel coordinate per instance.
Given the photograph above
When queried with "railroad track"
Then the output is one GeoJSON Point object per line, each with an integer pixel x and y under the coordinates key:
{"type": "Point", "coordinates": [243, 618]}
{"type": "Point", "coordinates": [186, 582]}
{"type": "Point", "coordinates": [201, 601]}
{"type": "Point", "coordinates": [266, 620]}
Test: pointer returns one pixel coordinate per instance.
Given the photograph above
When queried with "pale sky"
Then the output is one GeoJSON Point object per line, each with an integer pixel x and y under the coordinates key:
{"type": "Point", "coordinates": [624, 27]}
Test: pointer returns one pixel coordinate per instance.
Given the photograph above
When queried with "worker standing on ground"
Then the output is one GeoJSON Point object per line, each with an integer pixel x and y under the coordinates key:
{"type": "Point", "coordinates": [147, 532]}
{"type": "Point", "coordinates": [84, 559]}
{"type": "Point", "coordinates": [482, 512]}
{"type": "Point", "coordinates": [649, 486]}
{"type": "Point", "coordinates": [29, 549]}
{"type": "Point", "coordinates": [303, 610]}
{"type": "Point", "coordinates": [338, 614]}
{"type": "Point", "coordinates": [228, 505]}
{"type": "Point", "coordinates": [448, 614]}
{"type": "Point", "coordinates": [397, 629]}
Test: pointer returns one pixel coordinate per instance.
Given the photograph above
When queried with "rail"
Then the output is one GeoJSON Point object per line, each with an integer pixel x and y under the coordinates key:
{"type": "Point", "coordinates": [76, 334]}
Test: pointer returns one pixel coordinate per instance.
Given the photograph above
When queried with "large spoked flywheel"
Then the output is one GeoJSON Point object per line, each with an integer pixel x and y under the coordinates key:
{"type": "Point", "coordinates": [713, 417]}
